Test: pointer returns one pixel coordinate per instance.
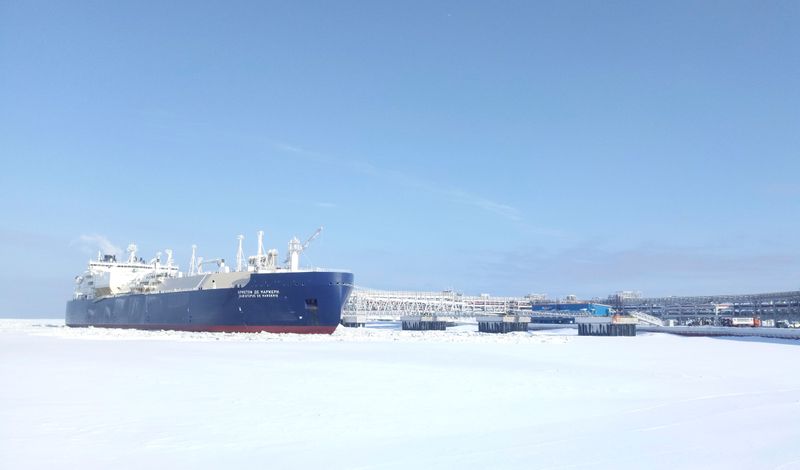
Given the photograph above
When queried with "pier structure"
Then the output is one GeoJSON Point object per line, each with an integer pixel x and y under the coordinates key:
{"type": "Point", "coordinates": [773, 305]}
{"type": "Point", "coordinates": [447, 305]}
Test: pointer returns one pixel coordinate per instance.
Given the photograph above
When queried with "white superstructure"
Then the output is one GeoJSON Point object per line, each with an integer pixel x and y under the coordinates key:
{"type": "Point", "coordinates": [106, 276]}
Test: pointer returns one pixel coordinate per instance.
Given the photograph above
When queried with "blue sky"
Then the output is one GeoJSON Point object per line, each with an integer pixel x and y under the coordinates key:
{"type": "Point", "coordinates": [509, 148]}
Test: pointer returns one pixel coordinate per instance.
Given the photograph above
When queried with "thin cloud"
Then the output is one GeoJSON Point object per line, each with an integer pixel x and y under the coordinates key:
{"type": "Point", "coordinates": [655, 270]}
{"type": "Point", "coordinates": [361, 167]}
{"type": "Point", "coordinates": [325, 205]}
{"type": "Point", "coordinates": [93, 242]}
{"type": "Point", "coordinates": [503, 210]}
{"type": "Point", "coordinates": [301, 152]}
{"type": "Point", "coordinates": [453, 194]}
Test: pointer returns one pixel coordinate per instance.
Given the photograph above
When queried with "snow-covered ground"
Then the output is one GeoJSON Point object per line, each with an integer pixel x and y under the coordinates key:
{"type": "Point", "coordinates": [382, 398]}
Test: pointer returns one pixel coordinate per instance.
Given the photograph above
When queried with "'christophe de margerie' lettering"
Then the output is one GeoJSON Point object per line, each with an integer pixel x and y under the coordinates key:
{"type": "Point", "coordinates": [258, 294]}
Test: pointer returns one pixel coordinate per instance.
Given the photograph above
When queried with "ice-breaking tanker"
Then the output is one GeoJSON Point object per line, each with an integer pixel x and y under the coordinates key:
{"type": "Point", "coordinates": [260, 294]}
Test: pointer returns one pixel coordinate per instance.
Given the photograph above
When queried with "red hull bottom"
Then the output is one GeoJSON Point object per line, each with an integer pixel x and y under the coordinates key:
{"type": "Point", "coordinates": [319, 330]}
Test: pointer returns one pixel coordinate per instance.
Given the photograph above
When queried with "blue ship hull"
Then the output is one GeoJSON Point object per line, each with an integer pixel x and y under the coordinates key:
{"type": "Point", "coordinates": [289, 302]}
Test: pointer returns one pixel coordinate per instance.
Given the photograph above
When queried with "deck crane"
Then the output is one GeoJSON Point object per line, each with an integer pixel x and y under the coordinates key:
{"type": "Point", "coordinates": [295, 248]}
{"type": "Point", "coordinates": [218, 261]}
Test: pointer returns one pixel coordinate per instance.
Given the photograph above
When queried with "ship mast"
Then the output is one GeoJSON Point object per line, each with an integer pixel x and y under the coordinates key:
{"type": "Point", "coordinates": [239, 254]}
{"type": "Point", "coordinates": [192, 261]}
{"type": "Point", "coordinates": [260, 253]}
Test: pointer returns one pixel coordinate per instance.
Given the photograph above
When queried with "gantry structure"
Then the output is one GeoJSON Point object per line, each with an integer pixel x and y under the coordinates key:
{"type": "Point", "coordinates": [776, 305]}
{"type": "Point", "coordinates": [391, 305]}
{"type": "Point", "coordinates": [384, 304]}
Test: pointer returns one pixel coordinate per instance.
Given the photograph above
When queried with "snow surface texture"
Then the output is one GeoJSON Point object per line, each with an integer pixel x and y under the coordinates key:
{"type": "Point", "coordinates": [381, 398]}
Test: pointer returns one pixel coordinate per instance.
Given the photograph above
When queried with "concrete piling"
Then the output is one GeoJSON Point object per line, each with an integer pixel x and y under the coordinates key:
{"type": "Point", "coordinates": [616, 325]}
{"type": "Point", "coordinates": [423, 323]}
{"type": "Point", "coordinates": [503, 323]}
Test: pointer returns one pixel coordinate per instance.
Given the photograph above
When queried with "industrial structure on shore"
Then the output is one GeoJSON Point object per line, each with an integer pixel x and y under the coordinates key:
{"type": "Point", "coordinates": [391, 305]}
{"type": "Point", "coordinates": [773, 305]}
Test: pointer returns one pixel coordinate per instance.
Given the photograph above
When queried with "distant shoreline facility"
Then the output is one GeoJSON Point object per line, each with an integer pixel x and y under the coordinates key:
{"type": "Point", "coordinates": [770, 305]}
{"type": "Point", "coordinates": [576, 308]}
{"type": "Point", "coordinates": [382, 304]}
{"type": "Point", "coordinates": [259, 294]}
